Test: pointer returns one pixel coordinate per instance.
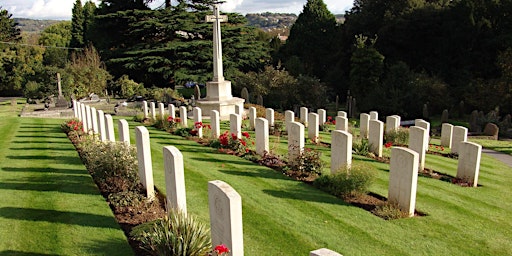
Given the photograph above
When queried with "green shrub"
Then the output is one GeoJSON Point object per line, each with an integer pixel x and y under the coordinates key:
{"type": "Point", "coordinates": [398, 137]}
{"type": "Point", "coordinates": [176, 235]}
{"type": "Point", "coordinates": [162, 123]}
{"type": "Point", "coordinates": [308, 162]}
{"type": "Point", "coordinates": [361, 147]}
{"type": "Point", "coordinates": [126, 198]}
{"type": "Point", "coordinates": [347, 182]}
{"type": "Point", "coordinates": [389, 211]}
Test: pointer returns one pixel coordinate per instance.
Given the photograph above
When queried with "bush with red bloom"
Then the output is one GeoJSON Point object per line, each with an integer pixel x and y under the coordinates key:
{"type": "Point", "coordinates": [174, 122]}
{"type": "Point", "coordinates": [232, 142]}
{"type": "Point", "coordinates": [72, 125]}
{"type": "Point", "coordinates": [221, 249]}
{"type": "Point", "coordinates": [388, 144]}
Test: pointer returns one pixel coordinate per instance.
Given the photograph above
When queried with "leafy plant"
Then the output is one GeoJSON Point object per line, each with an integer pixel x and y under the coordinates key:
{"type": "Point", "coordinates": [232, 142]}
{"type": "Point", "coordinates": [398, 137]}
{"type": "Point", "coordinates": [347, 182]}
{"type": "Point", "coordinates": [177, 235]}
{"type": "Point", "coordinates": [308, 162]}
{"type": "Point", "coordinates": [361, 147]}
{"type": "Point", "coordinates": [389, 211]}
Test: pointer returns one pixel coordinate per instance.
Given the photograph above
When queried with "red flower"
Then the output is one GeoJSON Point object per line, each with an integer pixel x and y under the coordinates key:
{"type": "Point", "coordinates": [221, 248]}
{"type": "Point", "coordinates": [442, 148]}
{"type": "Point", "coordinates": [234, 137]}
{"type": "Point", "coordinates": [388, 144]}
{"type": "Point", "coordinates": [334, 122]}
{"type": "Point", "coordinates": [198, 125]}
{"type": "Point", "coordinates": [246, 134]}
{"type": "Point", "coordinates": [243, 142]}
{"type": "Point", "coordinates": [329, 118]}
{"type": "Point", "coordinates": [193, 132]}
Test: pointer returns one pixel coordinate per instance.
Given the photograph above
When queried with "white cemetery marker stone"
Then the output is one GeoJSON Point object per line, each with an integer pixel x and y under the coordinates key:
{"type": "Point", "coordinates": [183, 116]}
{"type": "Point", "coordinates": [161, 110]}
{"type": "Point", "coordinates": [324, 252]}
{"type": "Point", "coordinates": [94, 117]}
{"type": "Point", "coordinates": [374, 115]}
{"type": "Point", "coordinates": [144, 160]}
{"type": "Point", "coordinates": [75, 110]}
{"type": "Point", "coordinates": [84, 118]}
{"type": "Point", "coordinates": [425, 125]}
{"type": "Point", "coordinates": [124, 131]}
{"type": "Point", "coordinates": [89, 117]}
{"type": "Point", "coordinates": [109, 128]}
{"type": "Point", "coordinates": [239, 110]}
{"type": "Point", "coordinates": [79, 110]}
{"type": "Point", "coordinates": [392, 124]}
{"type": "Point", "coordinates": [313, 130]}
{"type": "Point", "coordinates": [322, 115]}
{"type": "Point", "coordinates": [469, 162]}
{"type": "Point", "coordinates": [341, 123]}
{"type": "Point", "coordinates": [269, 115]}
{"type": "Point", "coordinates": [153, 113]}
{"type": "Point", "coordinates": [460, 134]}
{"type": "Point", "coordinates": [304, 116]}
{"type": "Point", "coordinates": [252, 118]}
{"type": "Point", "coordinates": [364, 123]}
{"type": "Point", "coordinates": [295, 141]}
{"type": "Point", "coordinates": [403, 178]}
{"type": "Point", "coordinates": [417, 137]}
{"type": "Point", "coordinates": [446, 135]}
{"type": "Point", "coordinates": [235, 125]}
{"type": "Point", "coordinates": [226, 217]}
{"type": "Point", "coordinates": [375, 137]}
{"type": "Point", "coordinates": [262, 144]}
{"type": "Point", "coordinates": [145, 109]}
{"type": "Point", "coordinates": [342, 114]}
{"type": "Point", "coordinates": [289, 117]}
{"type": "Point", "coordinates": [399, 120]}
{"type": "Point", "coordinates": [341, 150]}
{"type": "Point", "coordinates": [215, 123]}
{"type": "Point", "coordinates": [198, 118]}
{"type": "Point", "coordinates": [101, 125]}
{"type": "Point", "coordinates": [175, 179]}
{"type": "Point", "coordinates": [172, 110]}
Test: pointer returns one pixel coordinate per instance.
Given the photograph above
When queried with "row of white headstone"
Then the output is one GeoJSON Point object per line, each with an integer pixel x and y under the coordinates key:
{"type": "Point", "coordinates": [225, 203]}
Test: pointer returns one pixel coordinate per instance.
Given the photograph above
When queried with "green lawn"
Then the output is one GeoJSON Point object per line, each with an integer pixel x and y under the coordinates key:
{"type": "Point", "coordinates": [285, 217]}
{"type": "Point", "coordinates": [49, 204]}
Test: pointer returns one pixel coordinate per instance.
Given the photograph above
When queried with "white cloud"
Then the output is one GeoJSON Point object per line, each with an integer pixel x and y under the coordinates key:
{"type": "Point", "coordinates": [231, 5]}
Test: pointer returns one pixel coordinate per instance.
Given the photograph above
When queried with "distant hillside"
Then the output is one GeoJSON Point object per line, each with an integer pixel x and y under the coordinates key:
{"type": "Point", "coordinates": [278, 23]}
{"type": "Point", "coordinates": [33, 26]}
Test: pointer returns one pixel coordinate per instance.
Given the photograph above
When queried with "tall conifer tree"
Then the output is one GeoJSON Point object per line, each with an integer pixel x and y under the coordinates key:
{"type": "Point", "coordinates": [77, 25]}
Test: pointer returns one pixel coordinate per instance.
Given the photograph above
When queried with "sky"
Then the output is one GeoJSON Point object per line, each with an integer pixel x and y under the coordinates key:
{"type": "Point", "coordinates": [61, 9]}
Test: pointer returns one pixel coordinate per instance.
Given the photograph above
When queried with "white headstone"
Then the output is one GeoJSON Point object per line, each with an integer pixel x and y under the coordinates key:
{"type": "Point", "coordinates": [364, 123]}
{"type": "Point", "coordinates": [324, 252]}
{"type": "Point", "coordinates": [161, 110]}
{"type": "Point", "coordinates": [425, 125]}
{"type": "Point", "coordinates": [314, 127]}
{"type": "Point", "coordinates": [295, 141]}
{"type": "Point", "coordinates": [289, 117]}
{"type": "Point", "coordinates": [252, 118]}
{"type": "Point", "coordinates": [446, 135]}
{"type": "Point", "coordinates": [322, 115]}
{"type": "Point", "coordinates": [239, 110]}
{"type": "Point", "coordinates": [375, 137]}
{"type": "Point", "coordinates": [175, 179]}
{"type": "Point", "coordinates": [145, 109]}
{"type": "Point", "coordinates": [374, 115]}
{"type": "Point", "coordinates": [84, 118]}
{"type": "Point", "coordinates": [304, 116]}
{"type": "Point", "coordinates": [79, 110]}
{"type": "Point", "coordinates": [469, 162]}
{"type": "Point", "coordinates": [109, 128]}
{"type": "Point", "coordinates": [75, 109]}
{"type": "Point", "coordinates": [262, 136]}
{"type": "Point", "coordinates": [341, 150]}
{"type": "Point", "coordinates": [94, 119]}
{"type": "Point", "coordinates": [88, 117]}
{"type": "Point", "coordinates": [144, 160]}
{"type": "Point", "coordinates": [215, 123]}
{"type": "Point", "coordinates": [235, 125]}
{"type": "Point", "coordinates": [460, 134]}
{"type": "Point", "coordinates": [403, 179]}
{"type": "Point", "coordinates": [198, 120]}
{"type": "Point", "coordinates": [124, 131]}
{"type": "Point", "coordinates": [226, 217]}
{"type": "Point", "coordinates": [342, 114]}
{"type": "Point", "coordinates": [172, 110]}
{"type": "Point", "coordinates": [101, 125]}
{"type": "Point", "coordinates": [183, 116]}
{"type": "Point", "coordinates": [153, 112]}
{"type": "Point", "coordinates": [269, 115]}
{"type": "Point", "coordinates": [417, 140]}
{"type": "Point", "coordinates": [392, 124]}
{"type": "Point", "coordinates": [341, 123]}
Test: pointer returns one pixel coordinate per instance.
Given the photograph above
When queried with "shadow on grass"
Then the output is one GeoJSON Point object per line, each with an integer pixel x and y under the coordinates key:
{"type": "Point", "coordinates": [41, 148]}
{"type": "Point", "coordinates": [223, 161]}
{"type": "Point", "coordinates": [64, 159]}
{"type": "Point", "coordinates": [109, 246]}
{"type": "Point", "coordinates": [73, 184]}
{"type": "Point", "coordinates": [40, 142]}
{"type": "Point", "coordinates": [306, 195]}
{"type": "Point", "coordinates": [258, 173]}
{"type": "Point", "coordinates": [43, 170]}
{"type": "Point", "coordinates": [59, 136]}
{"type": "Point", "coordinates": [18, 253]}
{"type": "Point", "coordinates": [69, 218]}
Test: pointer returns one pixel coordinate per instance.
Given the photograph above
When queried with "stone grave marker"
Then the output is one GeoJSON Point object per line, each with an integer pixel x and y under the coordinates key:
{"type": "Point", "coordinates": [375, 137]}
{"type": "Point", "coordinates": [322, 115]}
{"type": "Point", "coordinates": [444, 116]}
{"type": "Point", "coordinates": [144, 160]}
{"type": "Point", "coordinates": [101, 125]}
{"type": "Point", "coordinates": [226, 225]}
{"type": "Point", "coordinates": [172, 110]}
{"type": "Point", "coordinates": [124, 131]}
{"type": "Point", "coordinates": [425, 125]}
{"type": "Point", "coordinates": [109, 128]}
{"type": "Point", "coordinates": [262, 144]}
{"type": "Point", "coordinates": [364, 123]}
{"type": "Point", "coordinates": [153, 111]}
{"type": "Point", "coordinates": [324, 252]}
{"type": "Point", "coordinates": [235, 125]}
{"type": "Point", "coordinates": [313, 130]}
{"type": "Point", "coordinates": [392, 123]}
{"type": "Point", "coordinates": [446, 135]}
{"type": "Point", "coordinates": [304, 116]}
{"type": "Point", "coordinates": [161, 110]}
{"type": "Point", "coordinates": [94, 119]}
{"type": "Point", "coordinates": [198, 118]}
{"type": "Point", "coordinates": [75, 109]}
{"type": "Point", "coordinates": [289, 117]}
{"type": "Point", "coordinates": [473, 122]}
{"type": "Point", "coordinates": [269, 115]}
{"type": "Point", "coordinates": [295, 141]}
{"type": "Point", "coordinates": [403, 179]}
{"type": "Point", "coordinates": [460, 134]}
{"type": "Point", "coordinates": [492, 130]}
{"type": "Point", "coordinates": [174, 179]}
{"type": "Point", "coordinates": [252, 118]}
{"type": "Point", "coordinates": [145, 109]}
{"type": "Point", "coordinates": [417, 144]}
{"type": "Point", "coordinates": [79, 111]}
{"type": "Point", "coordinates": [89, 117]}
{"type": "Point", "coordinates": [374, 115]}
{"type": "Point", "coordinates": [215, 123]}
{"type": "Point", "coordinates": [341, 123]}
{"type": "Point", "coordinates": [468, 166]}
{"type": "Point", "coordinates": [183, 116]}
{"type": "Point", "coordinates": [342, 114]}
{"type": "Point", "coordinates": [341, 150]}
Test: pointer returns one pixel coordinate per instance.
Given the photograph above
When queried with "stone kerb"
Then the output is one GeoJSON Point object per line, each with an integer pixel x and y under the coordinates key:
{"type": "Point", "coordinates": [374, 115]}
{"type": "Point", "coordinates": [403, 179]}
{"type": "Point", "coordinates": [341, 123]}
{"type": "Point", "coordinates": [174, 179]}
{"type": "Point", "coordinates": [252, 118]}
{"type": "Point", "coordinates": [109, 128]}
{"type": "Point", "coordinates": [417, 137]}
{"type": "Point", "coordinates": [392, 124]}
{"type": "Point", "coordinates": [341, 150]}
{"type": "Point", "coordinates": [153, 112]}
{"type": "Point", "coordinates": [124, 131]}
{"type": "Point", "coordinates": [269, 115]}
{"type": "Point", "coordinates": [304, 116]}
{"type": "Point", "coordinates": [425, 125]}
{"type": "Point", "coordinates": [235, 125]}
{"type": "Point", "coordinates": [342, 114]}
{"type": "Point", "coordinates": [289, 117]}
{"type": "Point", "coordinates": [161, 110]}
{"type": "Point", "coordinates": [364, 123]}
{"type": "Point", "coordinates": [94, 120]}
{"type": "Point", "coordinates": [295, 141]}
{"type": "Point", "coordinates": [215, 123]}
{"type": "Point", "coordinates": [262, 136]}
{"type": "Point", "coordinates": [183, 116]}
{"type": "Point", "coordinates": [314, 127]}
{"type": "Point", "coordinates": [446, 135]}
{"type": "Point", "coordinates": [145, 109]}
{"type": "Point", "coordinates": [376, 137]}
{"type": "Point", "coordinates": [468, 166]}
{"type": "Point", "coordinates": [198, 118]}
{"type": "Point", "coordinates": [322, 115]}
{"type": "Point", "coordinates": [460, 134]}
{"type": "Point", "coordinates": [226, 224]}
{"type": "Point", "coordinates": [144, 160]}
{"type": "Point", "coordinates": [324, 252]}
{"type": "Point", "coordinates": [172, 110]}
{"type": "Point", "coordinates": [101, 125]}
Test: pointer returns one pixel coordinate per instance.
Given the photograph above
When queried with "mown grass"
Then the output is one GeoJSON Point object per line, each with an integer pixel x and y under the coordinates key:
{"type": "Point", "coordinates": [50, 205]}
{"type": "Point", "coordinates": [286, 217]}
